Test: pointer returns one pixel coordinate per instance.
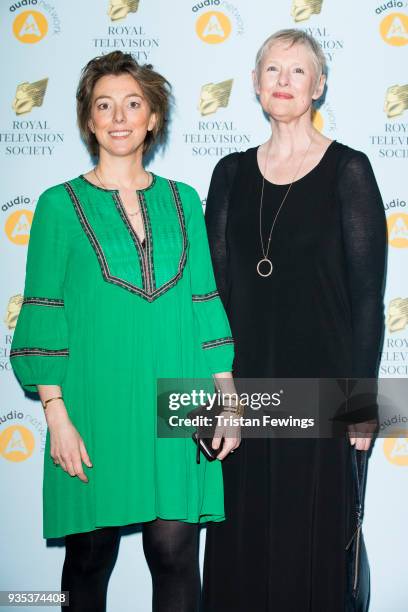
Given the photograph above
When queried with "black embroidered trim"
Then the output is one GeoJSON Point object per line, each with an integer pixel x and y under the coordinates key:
{"type": "Point", "coordinates": [38, 301]}
{"type": "Point", "coordinates": [205, 297]}
{"type": "Point", "coordinates": [149, 240]}
{"type": "Point", "coordinates": [150, 297]}
{"type": "Point", "coordinates": [219, 342]}
{"type": "Point", "coordinates": [136, 241]}
{"type": "Point", "coordinates": [28, 352]}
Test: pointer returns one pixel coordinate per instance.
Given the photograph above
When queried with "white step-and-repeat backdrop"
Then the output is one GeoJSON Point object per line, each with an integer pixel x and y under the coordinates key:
{"type": "Point", "coordinates": [197, 46]}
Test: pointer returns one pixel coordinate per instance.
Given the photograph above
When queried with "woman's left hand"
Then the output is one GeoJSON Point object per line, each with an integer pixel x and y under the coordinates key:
{"type": "Point", "coordinates": [230, 433]}
{"type": "Point", "coordinates": [357, 435]}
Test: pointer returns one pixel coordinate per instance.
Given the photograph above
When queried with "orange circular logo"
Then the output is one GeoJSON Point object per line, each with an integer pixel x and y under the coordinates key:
{"type": "Point", "coordinates": [394, 29]}
{"type": "Point", "coordinates": [398, 230]}
{"type": "Point", "coordinates": [16, 443]}
{"type": "Point", "coordinates": [18, 226]}
{"type": "Point", "coordinates": [213, 27]}
{"type": "Point", "coordinates": [317, 120]}
{"type": "Point", "coordinates": [396, 449]}
{"type": "Point", "coordinates": [30, 27]}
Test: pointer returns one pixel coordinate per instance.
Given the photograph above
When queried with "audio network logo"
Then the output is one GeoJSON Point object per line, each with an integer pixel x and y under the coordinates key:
{"type": "Point", "coordinates": [396, 449]}
{"type": "Point", "coordinates": [394, 26]}
{"type": "Point", "coordinates": [29, 95]}
{"type": "Point", "coordinates": [17, 442]}
{"type": "Point", "coordinates": [120, 9]}
{"type": "Point", "coordinates": [18, 226]}
{"type": "Point", "coordinates": [398, 230]}
{"type": "Point", "coordinates": [324, 119]}
{"type": "Point", "coordinates": [304, 9]}
{"type": "Point", "coordinates": [216, 26]}
{"type": "Point", "coordinates": [31, 26]}
{"type": "Point", "coordinates": [213, 96]}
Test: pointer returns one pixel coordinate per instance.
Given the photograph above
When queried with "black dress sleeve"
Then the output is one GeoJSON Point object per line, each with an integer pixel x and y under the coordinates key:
{"type": "Point", "coordinates": [216, 216]}
{"type": "Point", "coordinates": [364, 238]}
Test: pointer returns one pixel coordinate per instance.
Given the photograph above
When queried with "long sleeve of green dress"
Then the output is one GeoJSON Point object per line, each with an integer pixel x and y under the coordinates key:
{"type": "Point", "coordinates": [40, 348]}
{"type": "Point", "coordinates": [214, 332]}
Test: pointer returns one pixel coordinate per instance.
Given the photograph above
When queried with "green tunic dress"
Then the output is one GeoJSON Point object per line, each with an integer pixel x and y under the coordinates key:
{"type": "Point", "coordinates": [105, 317]}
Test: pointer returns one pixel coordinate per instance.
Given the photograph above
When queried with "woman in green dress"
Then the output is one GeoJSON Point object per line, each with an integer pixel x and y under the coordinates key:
{"type": "Point", "coordinates": [120, 292]}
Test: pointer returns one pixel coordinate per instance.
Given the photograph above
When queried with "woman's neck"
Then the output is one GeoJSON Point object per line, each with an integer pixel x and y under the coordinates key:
{"type": "Point", "coordinates": [122, 172]}
{"type": "Point", "coordinates": [287, 139]}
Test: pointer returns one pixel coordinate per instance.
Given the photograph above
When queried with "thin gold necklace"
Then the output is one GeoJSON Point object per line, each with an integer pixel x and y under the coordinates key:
{"type": "Point", "coordinates": [130, 214]}
{"type": "Point", "coordinates": [265, 253]}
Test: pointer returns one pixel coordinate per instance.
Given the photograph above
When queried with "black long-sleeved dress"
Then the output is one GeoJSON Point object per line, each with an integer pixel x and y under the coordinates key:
{"type": "Point", "coordinates": [320, 314]}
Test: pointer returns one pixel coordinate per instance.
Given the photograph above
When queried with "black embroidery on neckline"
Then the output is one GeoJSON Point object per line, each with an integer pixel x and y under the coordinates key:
{"type": "Point", "coordinates": [148, 292]}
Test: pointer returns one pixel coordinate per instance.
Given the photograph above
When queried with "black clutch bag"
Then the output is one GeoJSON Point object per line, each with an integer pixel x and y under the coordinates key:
{"type": "Point", "coordinates": [358, 569]}
{"type": "Point", "coordinates": [204, 442]}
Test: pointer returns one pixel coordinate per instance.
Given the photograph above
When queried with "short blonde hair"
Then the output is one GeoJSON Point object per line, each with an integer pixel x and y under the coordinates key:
{"type": "Point", "coordinates": [295, 37]}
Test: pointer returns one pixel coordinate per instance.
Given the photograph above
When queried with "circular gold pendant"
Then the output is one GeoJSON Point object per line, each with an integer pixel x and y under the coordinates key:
{"type": "Point", "coordinates": [258, 267]}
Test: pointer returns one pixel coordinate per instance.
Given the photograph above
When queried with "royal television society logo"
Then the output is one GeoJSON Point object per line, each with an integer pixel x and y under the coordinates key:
{"type": "Point", "coordinates": [120, 9]}
{"type": "Point", "coordinates": [13, 310]}
{"type": "Point", "coordinates": [397, 315]}
{"type": "Point", "coordinates": [396, 100]}
{"type": "Point", "coordinates": [302, 10]}
{"type": "Point", "coordinates": [30, 137]}
{"type": "Point", "coordinates": [32, 25]}
{"type": "Point", "coordinates": [129, 37]}
{"type": "Point", "coordinates": [394, 358]}
{"type": "Point", "coordinates": [396, 448]}
{"type": "Point", "coordinates": [215, 137]}
{"type": "Point", "coordinates": [393, 141]}
{"type": "Point", "coordinates": [29, 95]}
{"type": "Point", "coordinates": [218, 24]}
{"type": "Point", "coordinates": [214, 96]}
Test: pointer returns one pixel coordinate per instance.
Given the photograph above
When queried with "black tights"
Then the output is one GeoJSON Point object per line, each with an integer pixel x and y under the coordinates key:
{"type": "Point", "coordinates": [171, 551]}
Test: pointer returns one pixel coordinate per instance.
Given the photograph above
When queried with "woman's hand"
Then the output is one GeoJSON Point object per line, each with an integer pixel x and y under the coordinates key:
{"type": "Point", "coordinates": [231, 434]}
{"type": "Point", "coordinates": [357, 435]}
{"type": "Point", "coordinates": [67, 447]}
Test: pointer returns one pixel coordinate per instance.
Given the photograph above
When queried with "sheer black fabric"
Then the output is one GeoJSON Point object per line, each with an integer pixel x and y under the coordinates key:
{"type": "Point", "coordinates": [171, 551]}
{"type": "Point", "coordinates": [319, 315]}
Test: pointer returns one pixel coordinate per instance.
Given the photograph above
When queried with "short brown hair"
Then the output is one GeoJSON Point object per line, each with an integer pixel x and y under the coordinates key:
{"type": "Point", "coordinates": [155, 87]}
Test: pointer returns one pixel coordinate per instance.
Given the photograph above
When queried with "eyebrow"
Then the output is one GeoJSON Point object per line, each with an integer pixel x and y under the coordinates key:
{"type": "Point", "coordinates": [132, 95]}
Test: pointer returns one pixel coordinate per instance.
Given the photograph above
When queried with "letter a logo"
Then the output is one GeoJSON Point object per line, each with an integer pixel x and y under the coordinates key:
{"type": "Point", "coordinates": [213, 27]}
{"type": "Point", "coordinates": [30, 27]}
{"type": "Point", "coordinates": [394, 29]}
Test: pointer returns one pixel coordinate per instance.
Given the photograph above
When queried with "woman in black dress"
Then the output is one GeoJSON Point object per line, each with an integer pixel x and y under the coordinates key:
{"type": "Point", "coordinates": [317, 314]}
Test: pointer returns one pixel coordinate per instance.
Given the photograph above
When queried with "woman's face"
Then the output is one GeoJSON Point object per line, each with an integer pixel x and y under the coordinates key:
{"type": "Point", "coordinates": [120, 115]}
{"type": "Point", "coordinates": [286, 81]}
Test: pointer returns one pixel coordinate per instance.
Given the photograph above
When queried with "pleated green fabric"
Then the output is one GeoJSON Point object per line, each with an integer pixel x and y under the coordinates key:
{"type": "Point", "coordinates": [105, 317]}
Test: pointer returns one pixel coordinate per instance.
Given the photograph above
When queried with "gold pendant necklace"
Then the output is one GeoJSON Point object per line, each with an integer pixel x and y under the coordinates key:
{"type": "Point", "coordinates": [265, 253]}
{"type": "Point", "coordinates": [130, 214]}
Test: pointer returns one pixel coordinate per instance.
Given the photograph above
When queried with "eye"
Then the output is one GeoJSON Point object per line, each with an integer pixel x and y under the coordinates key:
{"type": "Point", "coordinates": [103, 106]}
{"type": "Point", "coordinates": [299, 70]}
{"type": "Point", "coordinates": [134, 104]}
{"type": "Point", "coordinates": [270, 68]}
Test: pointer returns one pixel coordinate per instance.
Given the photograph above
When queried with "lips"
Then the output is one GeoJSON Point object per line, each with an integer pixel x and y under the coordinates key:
{"type": "Point", "coordinates": [120, 133]}
{"type": "Point", "coordinates": [283, 96]}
